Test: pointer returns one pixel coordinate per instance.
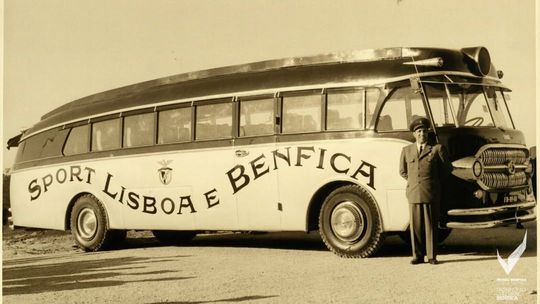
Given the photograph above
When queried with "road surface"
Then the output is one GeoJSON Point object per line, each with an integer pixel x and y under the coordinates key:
{"type": "Point", "coordinates": [266, 268]}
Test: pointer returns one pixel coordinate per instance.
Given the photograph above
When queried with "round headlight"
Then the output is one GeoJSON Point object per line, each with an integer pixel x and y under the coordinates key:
{"type": "Point", "coordinates": [477, 169]}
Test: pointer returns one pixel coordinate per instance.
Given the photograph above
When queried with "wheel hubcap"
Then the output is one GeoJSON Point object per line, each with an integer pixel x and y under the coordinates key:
{"type": "Point", "coordinates": [347, 221]}
{"type": "Point", "coordinates": [87, 223]}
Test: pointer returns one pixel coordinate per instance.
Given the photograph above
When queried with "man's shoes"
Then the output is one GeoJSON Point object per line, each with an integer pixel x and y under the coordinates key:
{"type": "Point", "coordinates": [433, 261]}
{"type": "Point", "coordinates": [417, 261]}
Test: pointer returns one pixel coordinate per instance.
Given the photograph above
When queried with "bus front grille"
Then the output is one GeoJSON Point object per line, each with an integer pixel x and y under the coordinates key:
{"type": "Point", "coordinates": [494, 157]}
{"type": "Point", "coordinates": [496, 180]}
{"type": "Point", "coordinates": [503, 167]}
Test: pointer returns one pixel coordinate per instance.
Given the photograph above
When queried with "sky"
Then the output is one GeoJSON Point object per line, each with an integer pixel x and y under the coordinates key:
{"type": "Point", "coordinates": [56, 51]}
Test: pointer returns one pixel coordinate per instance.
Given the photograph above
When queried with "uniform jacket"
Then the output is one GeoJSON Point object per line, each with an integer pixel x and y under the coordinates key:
{"type": "Point", "coordinates": [424, 173]}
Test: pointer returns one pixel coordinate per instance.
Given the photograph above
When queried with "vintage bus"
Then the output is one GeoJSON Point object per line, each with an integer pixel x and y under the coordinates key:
{"type": "Point", "coordinates": [297, 144]}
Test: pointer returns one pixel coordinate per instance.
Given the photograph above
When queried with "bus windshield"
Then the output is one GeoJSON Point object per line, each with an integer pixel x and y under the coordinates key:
{"type": "Point", "coordinates": [469, 106]}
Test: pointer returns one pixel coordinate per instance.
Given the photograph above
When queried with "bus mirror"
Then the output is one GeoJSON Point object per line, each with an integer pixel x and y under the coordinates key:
{"type": "Point", "coordinates": [415, 85]}
{"type": "Point", "coordinates": [278, 120]}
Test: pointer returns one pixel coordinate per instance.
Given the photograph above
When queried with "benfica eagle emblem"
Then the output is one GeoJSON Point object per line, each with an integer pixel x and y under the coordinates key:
{"type": "Point", "coordinates": [165, 173]}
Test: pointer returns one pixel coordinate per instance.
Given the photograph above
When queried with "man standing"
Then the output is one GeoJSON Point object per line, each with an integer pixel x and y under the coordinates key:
{"type": "Point", "coordinates": [424, 166]}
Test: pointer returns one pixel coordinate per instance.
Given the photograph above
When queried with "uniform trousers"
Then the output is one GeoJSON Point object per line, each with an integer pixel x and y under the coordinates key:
{"type": "Point", "coordinates": [423, 231]}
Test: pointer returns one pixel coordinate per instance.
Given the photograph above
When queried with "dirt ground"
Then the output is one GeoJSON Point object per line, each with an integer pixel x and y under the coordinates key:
{"type": "Point", "coordinates": [33, 242]}
{"type": "Point", "coordinates": [44, 267]}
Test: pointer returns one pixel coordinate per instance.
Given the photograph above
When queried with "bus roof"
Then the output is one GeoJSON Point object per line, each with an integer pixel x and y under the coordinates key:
{"type": "Point", "coordinates": [374, 64]}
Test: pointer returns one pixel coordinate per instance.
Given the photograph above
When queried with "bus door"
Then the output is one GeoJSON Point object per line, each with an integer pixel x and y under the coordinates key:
{"type": "Point", "coordinates": [253, 179]}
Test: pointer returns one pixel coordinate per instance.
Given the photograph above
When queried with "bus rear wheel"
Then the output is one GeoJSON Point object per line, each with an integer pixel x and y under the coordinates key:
{"type": "Point", "coordinates": [171, 237]}
{"type": "Point", "coordinates": [350, 224]}
{"type": "Point", "coordinates": [89, 225]}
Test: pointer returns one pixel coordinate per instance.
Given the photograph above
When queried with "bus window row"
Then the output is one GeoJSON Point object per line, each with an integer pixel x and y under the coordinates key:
{"type": "Point", "coordinates": [301, 112]}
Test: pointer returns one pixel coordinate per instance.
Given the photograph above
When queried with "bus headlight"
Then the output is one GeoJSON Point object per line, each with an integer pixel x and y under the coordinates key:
{"type": "Point", "coordinates": [468, 168]}
{"type": "Point", "coordinates": [477, 169]}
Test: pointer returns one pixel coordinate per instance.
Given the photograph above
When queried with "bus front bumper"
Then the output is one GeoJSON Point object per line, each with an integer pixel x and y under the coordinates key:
{"type": "Point", "coordinates": [489, 217]}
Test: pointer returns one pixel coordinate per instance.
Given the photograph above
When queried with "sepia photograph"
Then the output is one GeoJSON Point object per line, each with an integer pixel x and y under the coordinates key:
{"type": "Point", "coordinates": [296, 151]}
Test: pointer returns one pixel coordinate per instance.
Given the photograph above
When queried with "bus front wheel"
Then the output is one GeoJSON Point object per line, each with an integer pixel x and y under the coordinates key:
{"type": "Point", "coordinates": [89, 225]}
{"type": "Point", "coordinates": [350, 224]}
{"type": "Point", "coordinates": [171, 237]}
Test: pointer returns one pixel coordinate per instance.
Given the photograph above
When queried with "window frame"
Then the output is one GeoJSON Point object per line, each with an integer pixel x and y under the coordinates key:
{"type": "Point", "coordinates": [88, 138]}
{"type": "Point", "coordinates": [310, 92]}
{"type": "Point", "coordinates": [387, 98]}
{"type": "Point", "coordinates": [196, 104]}
{"type": "Point", "coordinates": [172, 108]}
{"type": "Point", "coordinates": [362, 90]}
{"type": "Point", "coordinates": [154, 126]}
{"type": "Point", "coordinates": [248, 99]}
{"type": "Point", "coordinates": [121, 131]}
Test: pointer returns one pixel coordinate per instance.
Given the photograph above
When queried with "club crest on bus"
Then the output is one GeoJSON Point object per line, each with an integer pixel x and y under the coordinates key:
{"type": "Point", "coordinates": [165, 172]}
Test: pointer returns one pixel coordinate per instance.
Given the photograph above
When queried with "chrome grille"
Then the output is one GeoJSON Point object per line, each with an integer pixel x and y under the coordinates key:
{"type": "Point", "coordinates": [494, 157]}
{"type": "Point", "coordinates": [496, 162]}
{"type": "Point", "coordinates": [503, 180]}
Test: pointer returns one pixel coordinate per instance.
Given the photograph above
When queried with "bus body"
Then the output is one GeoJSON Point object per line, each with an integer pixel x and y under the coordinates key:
{"type": "Point", "coordinates": [297, 144]}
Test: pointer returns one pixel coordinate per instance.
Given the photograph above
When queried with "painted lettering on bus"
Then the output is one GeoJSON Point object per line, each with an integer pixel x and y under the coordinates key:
{"type": "Point", "coordinates": [38, 186]}
{"type": "Point", "coordinates": [148, 204]}
{"type": "Point", "coordinates": [153, 205]}
{"type": "Point", "coordinates": [239, 176]}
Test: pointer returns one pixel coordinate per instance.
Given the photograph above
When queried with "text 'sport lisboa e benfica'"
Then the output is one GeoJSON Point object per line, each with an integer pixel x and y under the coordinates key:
{"type": "Point", "coordinates": [296, 144]}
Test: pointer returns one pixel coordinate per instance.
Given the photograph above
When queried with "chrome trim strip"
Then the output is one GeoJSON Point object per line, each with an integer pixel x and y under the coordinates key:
{"type": "Point", "coordinates": [492, 210]}
{"type": "Point", "coordinates": [491, 224]}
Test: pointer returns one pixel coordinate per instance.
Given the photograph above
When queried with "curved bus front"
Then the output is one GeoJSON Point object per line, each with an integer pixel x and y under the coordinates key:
{"type": "Point", "coordinates": [490, 184]}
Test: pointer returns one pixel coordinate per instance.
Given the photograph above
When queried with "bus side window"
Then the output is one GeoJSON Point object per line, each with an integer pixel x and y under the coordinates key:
{"type": "Point", "coordinates": [174, 126]}
{"type": "Point", "coordinates": [345, 110]}
{"type": "Point", "coordinates": [214, 121]}
{"type": "Point", "coordinates": [77, 141]}
{"type": "Point", "coordinates": [46, 144]}
{"type": "Point", "coordinates": [106, 135]}
{"type": "Point", "coordinates": [139, 130]}
{"type": "Point", "coordinates": [302, 113]}
{"type": "Point", "coordinates": [400, 108]}
{"type": "Point", "coordinates": [256, 117]}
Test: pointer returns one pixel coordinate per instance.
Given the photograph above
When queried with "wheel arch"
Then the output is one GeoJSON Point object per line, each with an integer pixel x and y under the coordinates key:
{"type": "Point", "coordinates": [315, 204]}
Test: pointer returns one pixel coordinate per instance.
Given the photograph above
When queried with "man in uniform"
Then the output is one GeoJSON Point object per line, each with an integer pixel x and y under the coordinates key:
{"type": "Point", "coordinates": [424, 166]}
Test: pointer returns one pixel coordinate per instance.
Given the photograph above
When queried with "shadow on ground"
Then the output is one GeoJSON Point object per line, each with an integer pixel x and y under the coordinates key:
{"type": "Point", "coordinates": [238, 299]}
{"type": "Point", "coordinates": [480, 242]}
{"type": "Point", "coordinates": [23, 276]}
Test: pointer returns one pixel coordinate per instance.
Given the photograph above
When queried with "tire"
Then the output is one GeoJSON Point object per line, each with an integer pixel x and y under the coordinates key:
{"type": "Point", "coordinates": [172, 237]}
{"type": "Point", "coordinates": [89, 224]}
{"type": "Point", "coordinates": [350, 224]}
{"type": "Point", "coordinates": [405, 236]}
